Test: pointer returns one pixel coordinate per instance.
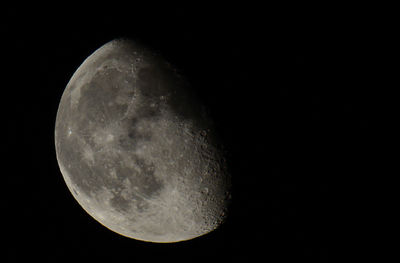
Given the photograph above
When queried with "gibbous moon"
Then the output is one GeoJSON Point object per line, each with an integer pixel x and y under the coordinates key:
{"type": "Point", "coordinates": [137, 150]}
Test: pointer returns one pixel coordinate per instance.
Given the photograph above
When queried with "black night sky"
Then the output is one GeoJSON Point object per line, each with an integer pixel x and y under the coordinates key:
{"type": "Point", "coordinates": [282, 84]}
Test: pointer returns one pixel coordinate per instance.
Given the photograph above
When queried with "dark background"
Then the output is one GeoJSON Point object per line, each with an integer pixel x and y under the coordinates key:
{"type": "Point", "coordinates": [287, 86]}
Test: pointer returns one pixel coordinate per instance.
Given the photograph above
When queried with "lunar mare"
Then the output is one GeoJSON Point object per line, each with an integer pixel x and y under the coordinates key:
{"type": "Point", "coordinates": [137, 150]}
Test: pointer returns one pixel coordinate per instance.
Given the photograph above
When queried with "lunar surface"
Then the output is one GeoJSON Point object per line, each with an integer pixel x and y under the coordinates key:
{"type": "Point", "coordinates": [137, 150]}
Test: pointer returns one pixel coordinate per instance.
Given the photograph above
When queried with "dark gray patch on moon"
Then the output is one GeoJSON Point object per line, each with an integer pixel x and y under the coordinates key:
{"type": "Point", "coordinates": [136, 149]}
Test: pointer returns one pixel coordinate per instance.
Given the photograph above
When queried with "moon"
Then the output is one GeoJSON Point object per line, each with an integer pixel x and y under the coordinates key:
{"type": "Point", "coordinates": [137, 150]}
